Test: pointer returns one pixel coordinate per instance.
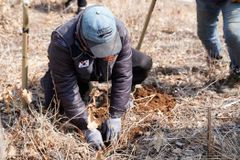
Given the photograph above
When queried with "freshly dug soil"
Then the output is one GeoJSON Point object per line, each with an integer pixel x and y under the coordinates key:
{"type": "Point", "coordinates": [149, 99]}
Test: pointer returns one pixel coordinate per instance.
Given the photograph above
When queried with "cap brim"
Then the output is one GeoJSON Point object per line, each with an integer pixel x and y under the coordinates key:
{"type": "Point", "coordinates": [112, 47]}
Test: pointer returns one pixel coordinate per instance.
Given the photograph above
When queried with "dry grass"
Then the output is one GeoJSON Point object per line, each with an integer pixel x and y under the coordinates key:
{"type": "Point", "coordinates": [180, 69]}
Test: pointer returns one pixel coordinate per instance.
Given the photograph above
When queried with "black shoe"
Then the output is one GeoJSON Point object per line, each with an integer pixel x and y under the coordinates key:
{"type": "Point", "coordinates": [232, 79]}
{"type": "Point", "coordinates": [217, 57]}
{"type": "Point", "coordinates": [214, 56]}
{"type": "Point", "coordinates": [234, 74]}
{"type": "Point", "coordinates": [234, 69]}
{"type": "Point", "coordinates": [214, 62]}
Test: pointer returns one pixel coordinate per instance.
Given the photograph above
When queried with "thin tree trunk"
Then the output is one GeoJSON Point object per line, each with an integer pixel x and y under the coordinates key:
{"type": "Point", "coordinates": [25, 47]}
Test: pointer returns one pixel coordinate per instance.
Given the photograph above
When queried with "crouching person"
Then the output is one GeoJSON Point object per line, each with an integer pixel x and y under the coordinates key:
{"type": "Point", "coordinates": [93, 46]}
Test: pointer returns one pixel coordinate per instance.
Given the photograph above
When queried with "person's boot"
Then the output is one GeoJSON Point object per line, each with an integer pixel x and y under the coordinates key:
{"type": "Point", "coordinates": [81, 5]}
{"type": "Point", "coordinates": [234, 76]}
{"type": "Point", "coordinates": [214, 62]}
{"type": "Point", "coordinates": [232, 80]}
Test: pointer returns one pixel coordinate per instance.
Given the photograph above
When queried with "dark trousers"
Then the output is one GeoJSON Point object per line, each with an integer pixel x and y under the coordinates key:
{"type": "Point", "coordinates": [141, 67]}
{"type": "Point", "coordinates": [142, 64]}
{"type": "Point", "coordinates": [81, 3]}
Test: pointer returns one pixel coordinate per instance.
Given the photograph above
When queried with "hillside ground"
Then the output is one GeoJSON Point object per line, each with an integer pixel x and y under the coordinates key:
{"type": "Point", "coordinates": [171, 112]}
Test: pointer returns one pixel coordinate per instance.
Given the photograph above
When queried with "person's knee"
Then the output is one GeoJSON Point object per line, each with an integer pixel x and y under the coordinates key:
{"type": "Point", "coordinates": [146, 64]}
{"type": "Point", "coordinates": [140, 72]}
{"type": "Point", "coordinates": [141, 61]}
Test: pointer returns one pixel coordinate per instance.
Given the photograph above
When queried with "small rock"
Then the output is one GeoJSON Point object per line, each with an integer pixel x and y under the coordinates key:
{"type": "Point", "coordinates": [147, 133]}
{"type": "Point", "coordinates": [189, 152]}
{"type": "Point", "coordinates": [179, 144]}
{"type": "Point", "coordinates": [148, 158]}
{"type": "Point", "coordinates": [133, 118]}
{"type": "Point", "coordinates": [186, 158]}
{"type": "Point", "coordinates": [177, 151]}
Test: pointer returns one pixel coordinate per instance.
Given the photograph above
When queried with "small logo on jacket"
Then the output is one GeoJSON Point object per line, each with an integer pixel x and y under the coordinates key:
{"type": "Point", "coordinates": [83, 64]}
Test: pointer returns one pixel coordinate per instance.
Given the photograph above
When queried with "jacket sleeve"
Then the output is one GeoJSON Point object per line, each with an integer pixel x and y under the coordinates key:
{"type": "Point", "coordinates": [121, 78]}
{"type": "Point", "coordinates": [65, 81]}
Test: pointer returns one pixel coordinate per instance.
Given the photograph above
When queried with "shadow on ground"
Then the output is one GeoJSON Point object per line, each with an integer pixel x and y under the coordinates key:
{"type": "Point", "coordinates": [186, 89]}
{"type": "Point", "coordinates": [186, 143]}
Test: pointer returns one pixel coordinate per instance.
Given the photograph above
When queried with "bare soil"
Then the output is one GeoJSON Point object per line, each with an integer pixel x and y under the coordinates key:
{"type": "Point", "coordinates": [149, 99]}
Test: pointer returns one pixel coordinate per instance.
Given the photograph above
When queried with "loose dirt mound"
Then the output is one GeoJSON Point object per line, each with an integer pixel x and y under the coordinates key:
{"type": "Point", "coordinates": [149, 99]}
{"type": "Point", "coordinates": [146, 99]}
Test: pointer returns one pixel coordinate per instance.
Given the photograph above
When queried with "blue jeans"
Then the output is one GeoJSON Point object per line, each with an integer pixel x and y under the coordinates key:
{"type": "Point", "coordinates": [207, 19]}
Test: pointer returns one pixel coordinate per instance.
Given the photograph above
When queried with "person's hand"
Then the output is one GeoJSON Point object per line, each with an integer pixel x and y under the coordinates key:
{"type": "Point", "coordinates": [94, 138]}
{"type": "Point", "coordinates": [111, 129]}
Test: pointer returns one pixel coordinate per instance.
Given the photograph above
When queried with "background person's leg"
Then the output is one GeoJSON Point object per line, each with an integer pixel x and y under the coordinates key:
{"type": "Point", "coordinates": [141, 66]}
{"type": "Point", "coordinates": [207, 18]}
{"type": "Point", "coordinates": [82, 3]}
{"type": "Point", "coordinates": [231, 17]}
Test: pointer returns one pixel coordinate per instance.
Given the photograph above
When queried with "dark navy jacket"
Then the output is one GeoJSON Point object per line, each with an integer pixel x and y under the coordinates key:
{"type": "Point", "coordinates": [69, 63]}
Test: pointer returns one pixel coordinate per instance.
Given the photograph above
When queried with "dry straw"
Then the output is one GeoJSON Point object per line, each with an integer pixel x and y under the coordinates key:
{"type": "Point", "coordinates": [180, 68]}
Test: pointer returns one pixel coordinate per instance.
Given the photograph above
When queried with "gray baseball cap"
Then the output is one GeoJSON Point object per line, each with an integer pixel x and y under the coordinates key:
{"type": "Point", "coordinates": [100, 32]}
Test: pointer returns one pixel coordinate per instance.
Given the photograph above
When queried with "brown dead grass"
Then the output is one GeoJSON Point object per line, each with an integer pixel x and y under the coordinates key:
{"type": "Point", "coordinates": [180, 69]}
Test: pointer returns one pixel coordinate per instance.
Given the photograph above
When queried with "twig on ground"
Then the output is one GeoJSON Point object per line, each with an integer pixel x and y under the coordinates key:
{"type": "Point", "coordinates": [150, 99]}
{"type": "Point", "coordinates": [140, 99]}
{"type": "Point", "coordinates": [209, 132]}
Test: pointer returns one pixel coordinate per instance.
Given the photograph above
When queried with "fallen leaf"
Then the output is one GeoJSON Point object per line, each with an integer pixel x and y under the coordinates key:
{"type": "Point", "coordinates": [27, 96]}
{"type": "Point", "coordinates": [100, 156]}
{"type": "Point", "coordinates": [148, 158]}
{"type": "Point", "coordinates": [92, 123]}
{"type": "Point", "coordinates": [94, 94]}
{"type": "Point", "coordinates": [158, 141]}
{"type": "Point", "coordinates": [11, 153]}
{"type": "Point", "coordinates": [7, 96]}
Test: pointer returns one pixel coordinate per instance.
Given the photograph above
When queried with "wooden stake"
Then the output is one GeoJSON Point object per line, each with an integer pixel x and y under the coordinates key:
{"type": "Point", "coordinates": [25, 46]}
{"type": "Point", "coordinates": [146, 24]}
